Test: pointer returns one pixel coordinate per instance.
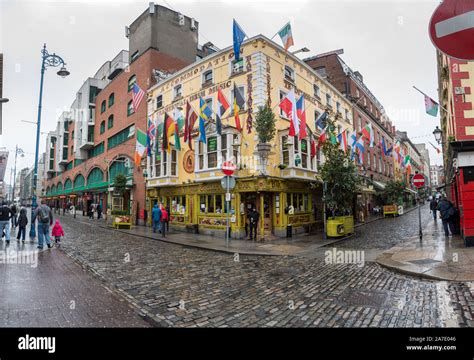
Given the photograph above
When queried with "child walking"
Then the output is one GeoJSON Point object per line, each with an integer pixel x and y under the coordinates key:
{"type": "Point", "coordinates": [57, 233]}
{"type": "Point", "coordinates": [22, 222]}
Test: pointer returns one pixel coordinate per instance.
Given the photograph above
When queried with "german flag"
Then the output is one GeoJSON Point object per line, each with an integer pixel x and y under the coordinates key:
{"type": "Point", "coordinates": [168, 130]}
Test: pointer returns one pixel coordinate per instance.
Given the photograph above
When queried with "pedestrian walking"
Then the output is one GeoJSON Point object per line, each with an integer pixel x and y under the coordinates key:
{"type": "Point", "coordinates": [5, 216]}
{"type": "Point", "coordinates": [156, 218]}
{"type": "Point", "coordinates": [57, 232]}
{"type": "Point", "coordinates": [91, 212]}
{"type": "Point", "coordinates": [22, 222]}
{"type": "Point", "coordinates": [99, 211]}
{"type": "Point", "coordinates": [434, 207]}
{"type": "Point", "coordinates": [253, 223]}
{"type": "Point", "coordinates": [14, 210]}
{"type": "Point", "coordinates": [164, 220]}
{"type": "Point", "coordinates": [45, 219]}
{"type": "Point", "coordinates": [64, 208]}
{"type": "Point", "coordinates": [447, 212]}
{"type": "Point", "coordinates": [167, 208]}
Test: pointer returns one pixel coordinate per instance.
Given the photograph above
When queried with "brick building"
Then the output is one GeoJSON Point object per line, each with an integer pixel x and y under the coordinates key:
{"type": "Point", "coordinates": [95, 140]}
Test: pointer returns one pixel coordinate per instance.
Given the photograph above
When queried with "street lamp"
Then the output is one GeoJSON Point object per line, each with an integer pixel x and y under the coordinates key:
{"type": "Point", "coordinates": [438, 134]}
{"type": "Point", "coordinates": [305, 49]}
{"type": "Point", "coordinates": [47, 60]}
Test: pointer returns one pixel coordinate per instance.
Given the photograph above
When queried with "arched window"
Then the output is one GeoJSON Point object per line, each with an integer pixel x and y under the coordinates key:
{"type": "Point", "coordinates": [131, 82]}
{"type": "Point", "coordinates": [130, 109]}
{"type": "Point", "coordinates": [95, 176]}
{"type": "Point", "coordinates": [48, 190]}
{"type": "Point", "coordinates": [111, 99]}
{"type": "Point", "coordinates": [110, 122]}
{"type": "Point", "coordinates": [79, 181]}
{"type": "Point", "coordinates": [59, 187]}
{"type": "Point", "coordinates": [53, 189]}
{"type": "Point", "coordinates": [68, 184]}
{"type": "Point", "coordinates": [102, 127]}
{"type": "Point", "coordinates": [102, 107]}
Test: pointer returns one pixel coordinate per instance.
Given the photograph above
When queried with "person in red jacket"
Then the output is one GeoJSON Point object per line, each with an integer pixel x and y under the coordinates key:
{"type": "Point", "coordinates": [164, 220]}
{"type": "Point", "coordinates": [57, 233]}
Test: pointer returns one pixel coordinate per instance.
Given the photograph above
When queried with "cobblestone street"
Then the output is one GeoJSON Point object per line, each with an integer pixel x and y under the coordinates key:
{"type": "Point", "coordinates": [179, 286]}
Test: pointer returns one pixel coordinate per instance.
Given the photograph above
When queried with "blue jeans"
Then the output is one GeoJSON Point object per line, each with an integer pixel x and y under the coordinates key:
{"type": "Point", "coordinates": [156, 225]}
{"type": "Point", "coordinates": [5, 224]}
{"type": "Point", "coordinates": [43, 234]}
{"type": "Point", "coordinates": [448, 223]}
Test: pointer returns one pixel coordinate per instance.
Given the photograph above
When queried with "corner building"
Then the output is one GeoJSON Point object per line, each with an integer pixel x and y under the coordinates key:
{"type": "Point", "coordinates": [189, 180]}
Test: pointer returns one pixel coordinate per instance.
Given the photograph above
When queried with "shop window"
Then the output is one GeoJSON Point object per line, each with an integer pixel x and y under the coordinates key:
{"type": "Point", "coordinates": [178, 205]}
{"type": "Point", "coordinates": [299, 201]}
{"type": "Point", "coordinates": [211, 204]}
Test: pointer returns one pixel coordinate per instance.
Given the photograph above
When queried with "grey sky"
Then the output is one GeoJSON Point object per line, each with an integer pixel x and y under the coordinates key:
{"type": "Point", "coordinates": [387, 41]}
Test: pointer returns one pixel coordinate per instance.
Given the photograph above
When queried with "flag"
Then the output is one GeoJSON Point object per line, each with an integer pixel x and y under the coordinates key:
{"type": "Point", "coordinates": [159, 135]}
{"type": "Point", "coordinates": [288, 105]}
{"type": "Point", "coordinates": [431, 106]}
{"type": "Point", "coordinates": [320, 122]}
{"type": "Point", "coordinates": [238, 37]}
{"type": "Point", "coordinates": [286, 36]}
{"type": "Point", "coordinates": [301, 115]}
{"type": "Point", "coordinates": [178, 118]}
{"type": "Point", "coordinates": [342, 139]}
{"type": "Point", "coordinates": [352, 143]}
{"type": "Point", "coordinates": [383, 147]}
{"type": "Point", "coordinates": [313, 148]}
{"type": "Point", "coordinates": [189, 122]}
{"type": "Point", "coordinates": [204, 115]}
{"type": "Point", "coordinates": [222, 106]}
{"type": "Point", "coordinates": [137, 97]}
{"type": "Point", "coordinates": [437, 150]}
{"type": "Point", "coordinates": [168, 129]}
{"type": "Point", "coordinates": [360, 149]}
{"type": "Point", "coordinates": [368, 133]}
{"type": "Point", "coordinates": [150, 135]}
{"type": "Point", "coordinates": [140, 146]}
{"type": "Point", "coordinates": [322, 138]}
{"type": "Point", "coordinates": [239, 103]}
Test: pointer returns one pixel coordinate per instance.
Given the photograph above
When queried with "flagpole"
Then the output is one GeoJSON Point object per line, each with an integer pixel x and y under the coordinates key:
{"type": "Point", "coordinates": [442, 107]}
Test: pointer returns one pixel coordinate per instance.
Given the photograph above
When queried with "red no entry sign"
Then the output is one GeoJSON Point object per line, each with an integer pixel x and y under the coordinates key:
{"type": "Point", "coordinates": [228, 168]}
{"type": "Point", "coordinates": [452, 28]}
{"type": "Point", "coordinates": [419, 180]}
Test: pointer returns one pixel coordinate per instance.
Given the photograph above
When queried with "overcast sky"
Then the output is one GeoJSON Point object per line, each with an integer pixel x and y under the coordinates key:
{"type": "Point", "coordinates": [387, 41]}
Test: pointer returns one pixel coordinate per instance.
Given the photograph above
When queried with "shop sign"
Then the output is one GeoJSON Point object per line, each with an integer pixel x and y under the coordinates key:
{"type": "Point", "coordinates": [212, 144]}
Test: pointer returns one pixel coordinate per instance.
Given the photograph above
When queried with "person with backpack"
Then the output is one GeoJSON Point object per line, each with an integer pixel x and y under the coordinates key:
{"type": "Point", "coordinates": [45, 219]}
{"type": "Point", "coordinates": [5, 216]}
{"type": "Point", "coordinates": [447, 211]}
{"type": "Point", "coordinates": [156, 218]}
{"type": "Point", "coordinates": [164, 219]}
{"type": "Point", "coordinates": [57, 232]}
{"type": "Point", "coordinates": [22, 222]}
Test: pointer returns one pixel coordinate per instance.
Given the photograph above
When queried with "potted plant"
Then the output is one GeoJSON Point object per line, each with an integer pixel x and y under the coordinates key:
{"type": "Point", "coordinates": [265, 128]}
{"type": "Point", "coordinates": [339, 173]}
{"type": "Point", "coordinates": [393, 196]}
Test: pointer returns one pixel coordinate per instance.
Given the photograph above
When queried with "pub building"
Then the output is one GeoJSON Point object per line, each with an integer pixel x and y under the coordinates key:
{"type": "Point", "coordinates": [286, 189]}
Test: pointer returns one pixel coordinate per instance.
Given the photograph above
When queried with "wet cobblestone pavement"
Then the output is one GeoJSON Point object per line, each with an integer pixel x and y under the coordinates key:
{"type": "Point", "coordinates": [56, 293]}
{"type": "Point", "coordinates": [179, 286]}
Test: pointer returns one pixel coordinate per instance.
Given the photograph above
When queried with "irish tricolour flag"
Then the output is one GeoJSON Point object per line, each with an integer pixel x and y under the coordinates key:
{"type": "Point", "coordinates": [286, 36]}
{"type": "Point", "coordinates": [431, 106]}
{"type": "Point", "coordinates": [140, 147]}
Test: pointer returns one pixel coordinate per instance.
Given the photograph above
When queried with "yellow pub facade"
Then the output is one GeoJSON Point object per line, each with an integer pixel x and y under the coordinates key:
{"type": "Point", "coordinates": [286, 189]}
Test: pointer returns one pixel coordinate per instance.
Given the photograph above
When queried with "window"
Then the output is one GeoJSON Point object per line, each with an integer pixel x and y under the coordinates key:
{"type": "Point", "coordinates": [347, 114]}
{"type": "Point", "coordinates": [304, 153]}
{"type": "Point", "coordinates": [201, 155]}
{"type": "Point", "coordinates": [158, 164]}
{"type": "Point", "coordinates": [111, 99]}
{"type": "Point", "coordinates": [90, 133]}
{"type": "Point", "coordinates": [130, 109]}
{"type": "Point", "coordinates": [162, 166]}
{"type": "Point", "coordinates": [177, 91]}
{"type": "Point", "coordinates": [375, 162]}
{"type": "Point", "coordinates": [359, 124]}
{"type": "Point", "coordinates": [237, 66]}
{"type": "Point", "coordinates": [102, 107]}
{"type": "Point", "coordinates": [338, 107]}
{"type": "Point", "coordinates": [380, 169]}
{"type": "Point", "coordinates": [97, 150]}
{"type": "Point", "coordinates": [93, 91]}
{"type": "Point", "coordinates": [300, 202]}
{"type": "Point", "coordinates": [317, 91]}
{"type": "Point", "coordinates": [134, 56]}
{"type": "Point", "coordinates": [223, 149]}
{"type": "Point", "coordinates": [72, 135]}
{"type": "Point", "coordinates": [282, 113]}
{"type": "Point", "coordinates": [173, 163]}
{"type": "Point", "coordinates": [159, 101]}
{"type": "Point", "coordinates": [328, 100]}
{"type": "Point", "coordinates": [357, 93]}
{"type": "Point", "coordinates": [212, 152]}
{"type": "Point", "coordinates": [102, 127]}
{"type": "Point", "coordinates": [211, 204]}
{"type": "Point", "coordinates": [120, 137]}
{"type": "Point", "coordinates": [66, 126]}
{"type": "Point", "coordinates": [368, 161]}
{"type": "Point", "coordinates": [285, 151]}
{"type": "Point", "coordinates": [110, 122]}
{"type": "Point", "coordinates": [207, 77]}
{"type": "Point", "coordinates": [132, 81]}
{"type": "Point", "coordinates": [289, 73]}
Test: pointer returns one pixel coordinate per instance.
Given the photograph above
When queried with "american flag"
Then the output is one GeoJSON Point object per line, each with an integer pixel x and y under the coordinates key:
{"type": "Point", "coordinates": [137, 97]}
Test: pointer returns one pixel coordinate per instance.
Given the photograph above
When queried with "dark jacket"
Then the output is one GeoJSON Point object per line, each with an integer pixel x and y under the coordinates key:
{"type": "Point", "coordinates": [5, 213]}
{"type": "Point", "coordinates": [433, 204]}
{"type": "Point", "coordinates": [22, 219]}
{"type": "Point", "coordinates": [156, 213]}
{"type": "Point", "coordinates": [254, 217]}
{"type": "Point", "coordinates": [444, 207]}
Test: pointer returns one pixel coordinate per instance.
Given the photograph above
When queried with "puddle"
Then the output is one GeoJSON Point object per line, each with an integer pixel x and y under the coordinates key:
{"type": "Point", "coordinates": [447, 315]}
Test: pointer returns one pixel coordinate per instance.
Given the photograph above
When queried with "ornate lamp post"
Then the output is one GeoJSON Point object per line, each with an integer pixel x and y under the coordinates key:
{"type": "Point", "coordinates": [47, 60]}
{"type": "Point", "coordinates": [438, 134]}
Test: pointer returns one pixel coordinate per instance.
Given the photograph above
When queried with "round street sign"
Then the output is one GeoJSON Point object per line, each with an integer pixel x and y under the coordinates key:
{"type": "Point", "coordinates": [228, 182]}
{"type": "Point", "coordinates": [419, 180]}
{"type": "Point", "coordinates": [452, 29]}
{"type": "Point", "coordinates": [228, 168]}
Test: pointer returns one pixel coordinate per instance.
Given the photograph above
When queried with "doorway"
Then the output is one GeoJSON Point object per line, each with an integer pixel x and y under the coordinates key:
{"type": "Point", "coordinates": [266, 214]}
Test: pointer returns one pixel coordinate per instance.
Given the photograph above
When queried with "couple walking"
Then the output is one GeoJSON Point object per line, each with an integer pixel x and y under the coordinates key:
{"type": "Point", "coordinates": [44, 215]}
{"type": "Point", "coordinates": [160, 219]}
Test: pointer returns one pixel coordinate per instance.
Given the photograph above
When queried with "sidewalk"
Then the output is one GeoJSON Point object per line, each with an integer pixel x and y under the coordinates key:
{"type": "Point", "coordinates": [436, 257]}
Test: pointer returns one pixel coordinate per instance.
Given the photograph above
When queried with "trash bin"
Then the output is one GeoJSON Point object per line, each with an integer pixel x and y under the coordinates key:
{"type": "Point", "coordinates": [289, 231]}
{"type": "Point", "coordinates": [335, 227]}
